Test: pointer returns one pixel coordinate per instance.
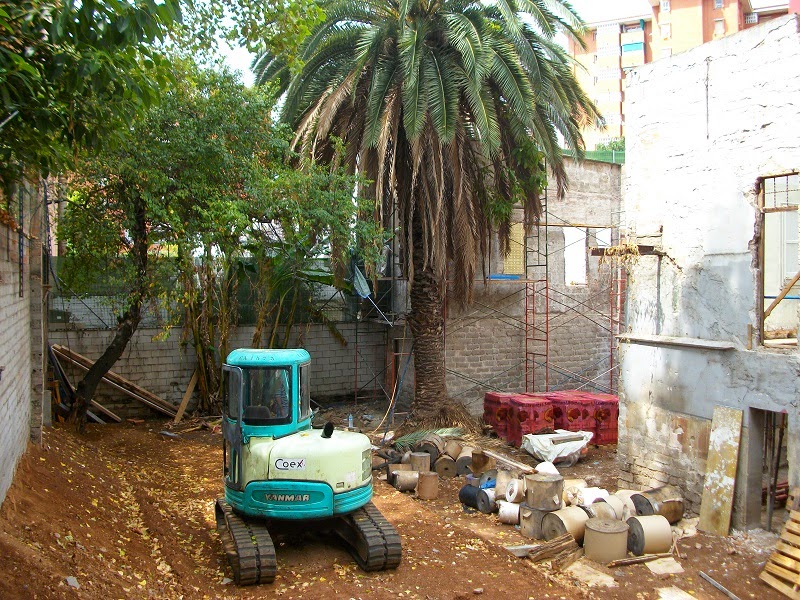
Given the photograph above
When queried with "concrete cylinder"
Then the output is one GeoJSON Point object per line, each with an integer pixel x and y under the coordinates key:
{"type": "Point", "coordinates": [515, 491]}
{"type": "Point", "coordinates": [406, 481]}
{"type": "Point", "coordinates": [530, 522]}
{"type": "Point", "coordinates": [508, 512]}
{"type": "Point", "coordinates": [571, 519]}
{"type": "Point", "coordinates": [420, 462]}
{"type": "Point", "coordinates": [501, 483]}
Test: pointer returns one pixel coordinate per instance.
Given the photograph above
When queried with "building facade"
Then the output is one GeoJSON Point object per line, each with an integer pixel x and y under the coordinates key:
{"type": "Point", "coordinates": [647, 31]}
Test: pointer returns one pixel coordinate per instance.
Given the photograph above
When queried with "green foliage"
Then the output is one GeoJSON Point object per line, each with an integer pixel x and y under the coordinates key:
{"type": "Point", "coordinates": [616, 144]}
{"type": "Point", "coordinates": [73, 74]}
{"type": "Point", "coordinates": [256, 25]}
{"type": "Point", "coordinates": [449, 109]}
{"type": "Point", "coordinates": [206, 180]}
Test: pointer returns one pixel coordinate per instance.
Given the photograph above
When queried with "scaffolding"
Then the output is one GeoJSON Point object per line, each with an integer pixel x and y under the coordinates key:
{"type": "Point", "coordinates": [549, 306]}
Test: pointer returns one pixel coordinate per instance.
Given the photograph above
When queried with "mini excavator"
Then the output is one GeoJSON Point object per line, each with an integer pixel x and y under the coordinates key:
{"type": "Point", "coordinates": [280, 473]}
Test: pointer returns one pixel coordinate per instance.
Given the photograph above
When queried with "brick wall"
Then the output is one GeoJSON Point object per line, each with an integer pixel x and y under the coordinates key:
{"type": "Point", "coordinates": [485, 344]}
{"type": "Point", "coordinates": [20, 360]}
{"type": "Point", "coordinates": [164, 366]}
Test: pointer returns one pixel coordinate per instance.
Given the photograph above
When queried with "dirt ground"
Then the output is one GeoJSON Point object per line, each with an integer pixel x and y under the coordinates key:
{"type": "Point", "coordinates": [126, 512]}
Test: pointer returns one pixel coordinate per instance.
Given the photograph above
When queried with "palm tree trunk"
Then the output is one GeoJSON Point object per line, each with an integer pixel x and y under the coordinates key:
{"type": "Point", "coordinates": [427, 327]}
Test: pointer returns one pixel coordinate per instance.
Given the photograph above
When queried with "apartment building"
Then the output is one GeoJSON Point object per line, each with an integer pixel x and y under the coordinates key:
{"type": "Point", "coordinates": [625, 34]}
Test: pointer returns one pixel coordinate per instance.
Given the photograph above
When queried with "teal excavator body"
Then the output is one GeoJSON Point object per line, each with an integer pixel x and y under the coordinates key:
{"type": "Point", "coordinates": [277, 468]}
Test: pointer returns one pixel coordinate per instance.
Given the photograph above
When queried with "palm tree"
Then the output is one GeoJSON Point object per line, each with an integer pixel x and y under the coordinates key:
{"type": "Point", "coordinates": [450, 109]}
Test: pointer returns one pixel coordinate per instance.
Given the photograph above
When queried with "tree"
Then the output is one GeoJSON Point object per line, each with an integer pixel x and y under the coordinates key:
{"type": "Point", "coordinates": [615, 144]}
{"type": "Point", "coordinates": [138, 213]}
{"type": "Point", "coordinates": [450, 108]}
{"type": "Point", "coordinates": [73, 74]}
{"type": "Point", "coordinates": [170, 219]}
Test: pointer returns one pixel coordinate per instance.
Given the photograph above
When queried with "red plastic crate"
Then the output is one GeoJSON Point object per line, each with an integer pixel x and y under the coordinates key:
{"type": "Point", "coordinates": [606, 412]}
{"type": "Point", "coordinates": [495, 411]}
{"type": "Point", "coordinates": [573, 412]}
{"type": "Point", "coordinates": [604, 437]}
{"type": "Point", "coordinates": [528, 413]}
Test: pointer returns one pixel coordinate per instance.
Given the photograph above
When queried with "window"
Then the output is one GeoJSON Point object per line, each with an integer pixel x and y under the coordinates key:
{"type": "Point", "coordinates": [666, 31]}
{"type": "Point", "coordinates": [719, 27]}
{"type": "Point", "coordinates": [305, 390]}
{"type": "Point", "coordinates": [665, 6]}
{"type": "Point", "coordinates": [268, 396]}
{"type": "Point", "coordinates": [514, 263]}
{"type": "Point", "coordinates": [574, 256]}
{"type": "Point", "coordinates": [750, 18]}
{"type": "Point", "coordinates": [666, 52]}
{"type": "Point", "coordinates": [719, 3]}
{"type": "Point", "coordinates": [779, 262]}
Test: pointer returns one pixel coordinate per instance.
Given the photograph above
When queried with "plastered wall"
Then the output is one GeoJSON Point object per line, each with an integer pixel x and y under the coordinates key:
{"type": "Point", "coordinates": [703, 127]}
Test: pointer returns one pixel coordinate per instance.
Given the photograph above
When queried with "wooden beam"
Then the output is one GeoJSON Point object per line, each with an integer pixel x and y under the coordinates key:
{"type": "Point", "coordinates": [509, 463]}
{"type": "Point", "coordinates": [186, 396]}
{"type": "Point", "coordinates": [105, 411]}
{"type": "Point", "coordinates": [126, 384]}
{"type": "Point", "coordinates": [120, 383]}
{"type": "Point", "coordinates": [784, 292]}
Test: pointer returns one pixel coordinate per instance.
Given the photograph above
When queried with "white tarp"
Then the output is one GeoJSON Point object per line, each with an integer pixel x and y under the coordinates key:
{"type": "Point", "coordinates": [562, 447]}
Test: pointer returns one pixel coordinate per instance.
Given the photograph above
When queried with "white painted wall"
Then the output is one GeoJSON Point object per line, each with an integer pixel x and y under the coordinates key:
{"type": "Point", "coordinates": [703, 127]}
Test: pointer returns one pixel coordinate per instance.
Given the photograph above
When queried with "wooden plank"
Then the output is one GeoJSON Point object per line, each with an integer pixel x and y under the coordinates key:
{"type": "Point", "coordinates": [792, 527]}
{"type": "Point", "coordinates": [105, 411]}
{"type": "Point", "coordinates": [787, 536]}
{"type": "Point", "coordinates": [785, 562]}
{"type": "Point", "coordinates": [786, 289]}
{"type": "Point", "coordinates": [507, 462]}
{"type": "Point", "coordinates": [636, 560]}
{"type": "Point", "coordinates": [788, 549]}
{"type": "Point", "coordinates": [122, 383]}
{"type": "Point", "coordinates": [794, 515]}
{"type": "Point", "coordinates": [186, 396]}
{"type": "Point", "coordinates": [779, 585]}
{"type": "Point", "coordinates": [790, 576]}
{"type": "Point", "coordinates": [723, 456]}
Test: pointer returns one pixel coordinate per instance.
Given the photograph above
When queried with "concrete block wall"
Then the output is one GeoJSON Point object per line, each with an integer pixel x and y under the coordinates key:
{"type": "Point", "coordinates": [15, 362]}
{"type": "Point", "coordinates": [485, 344]}
{"type": "Point", "coordinates": [164, 366]}
{"type": "Point", "coordinates": [704, 127]}
{"type": "Point", "coordinates": [21, 381]}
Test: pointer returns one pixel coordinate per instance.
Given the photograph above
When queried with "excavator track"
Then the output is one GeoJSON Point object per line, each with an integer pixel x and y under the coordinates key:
{"type": "Point", "coordinates": [247, 545]}
{"type": "Point", "coordinates": [372, 540]}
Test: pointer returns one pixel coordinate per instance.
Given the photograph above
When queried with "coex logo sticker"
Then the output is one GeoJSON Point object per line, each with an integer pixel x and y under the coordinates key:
{"type": "Point", "coordinates": [290, 464]}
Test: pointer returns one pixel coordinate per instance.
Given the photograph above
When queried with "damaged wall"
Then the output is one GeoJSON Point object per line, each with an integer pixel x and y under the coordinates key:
{"type": "Point", "coordinates": [485, 344]}
{"type": "Point", "coordinates": [703, 127]}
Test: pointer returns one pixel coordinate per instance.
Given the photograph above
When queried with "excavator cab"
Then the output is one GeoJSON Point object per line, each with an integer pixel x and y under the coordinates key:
{"type": "Point", "coordinates": [278, 468]}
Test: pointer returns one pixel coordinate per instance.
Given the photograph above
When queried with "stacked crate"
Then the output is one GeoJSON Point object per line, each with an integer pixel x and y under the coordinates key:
{"type": "Point", "coordinates": [495, 411]}
{"type": "Point", "coordinates": [528, 413]}
{"type": "Point", "coordinates": [606, 416]}
{"type": "Point", "coordinates": [572, 410]}
{"type": "Point", "coordinates": [515, 415]}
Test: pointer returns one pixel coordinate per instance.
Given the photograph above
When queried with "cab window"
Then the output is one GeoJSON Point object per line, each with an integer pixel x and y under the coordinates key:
{"type": "Point", "coordinates": [305, 390]}
{"type": "Point", "coordinates": [231, 390]}
{"type": "Point", "coordinates": [268, 398]}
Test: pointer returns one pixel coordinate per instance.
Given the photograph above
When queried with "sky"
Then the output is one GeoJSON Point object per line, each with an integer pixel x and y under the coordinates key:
{"type": "Point", "coordinates": [590, 10]}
